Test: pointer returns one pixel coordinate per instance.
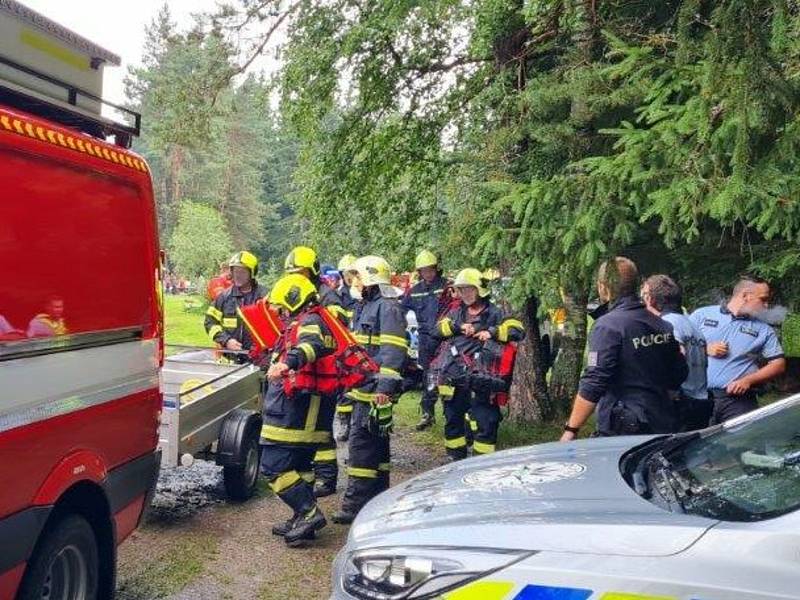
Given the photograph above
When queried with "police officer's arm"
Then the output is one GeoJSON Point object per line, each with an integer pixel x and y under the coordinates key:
{"type": "Point", "coordinates": [310, 345]}
{"type": "Point", "coordinates": [775, 367]}
{"type": "Point", "coordinates": [393, 350]}
{"type": "Point", "coordinates": [603, 363]}
{"type": "Point", "coordinates": [213, 322]}
{"type": "Point", "coordinates": [678, 370]}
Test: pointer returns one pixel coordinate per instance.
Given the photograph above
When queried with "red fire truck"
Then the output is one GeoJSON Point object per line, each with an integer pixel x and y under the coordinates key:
{"type": "Point", "coordinates": [80, 316]}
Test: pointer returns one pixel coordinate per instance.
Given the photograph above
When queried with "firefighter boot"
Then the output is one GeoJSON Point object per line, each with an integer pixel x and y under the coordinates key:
{"type": "Point", "coordinates": [324, 488]}
{"type": "Point", "coordinates": [281, 529]}
{"type": "Point", "coordinates": [343, 517]}
{"type": "Point", "coordinates": [305, 528]}
{"type": "Point", "coordinates": [426, 422]}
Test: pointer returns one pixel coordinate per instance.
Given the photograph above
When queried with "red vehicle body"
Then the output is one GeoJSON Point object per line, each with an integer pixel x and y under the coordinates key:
{"type": "Point", "coordinates": [79, 400]}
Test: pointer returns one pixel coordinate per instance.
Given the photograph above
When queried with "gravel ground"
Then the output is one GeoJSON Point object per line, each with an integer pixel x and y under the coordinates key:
{"type": "Point", "coordinates": [194, 545]}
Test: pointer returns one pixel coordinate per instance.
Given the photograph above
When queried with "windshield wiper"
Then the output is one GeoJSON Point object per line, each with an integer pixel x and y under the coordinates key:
{"type": "Point", "coordinates": [668, 445]}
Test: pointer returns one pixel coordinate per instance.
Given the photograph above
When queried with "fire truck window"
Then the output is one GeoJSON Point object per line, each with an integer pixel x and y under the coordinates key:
{"type": "Point", "coordinates": [74, 251]}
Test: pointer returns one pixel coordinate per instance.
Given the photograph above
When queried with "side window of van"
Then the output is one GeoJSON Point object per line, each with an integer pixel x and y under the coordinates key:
{"type": "Point", "coordinates": [74, 253]}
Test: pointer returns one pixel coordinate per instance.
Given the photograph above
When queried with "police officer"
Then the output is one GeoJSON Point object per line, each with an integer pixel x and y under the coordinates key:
{"type": "Point", "coordinates": [664, 298]}
{"type": "Point", "coordinates": [429, 298]}
{"type": "Point", "coordinates": [737, 343]}
{"type": "Point", "coordinates": [303, 260]}
{"type": "Point", "coordinates": [380, 328]}
{"type": "Point", "coordinates": [633, 361]}
{"type": "Point", "coordinates": [475, 321]}
{"type": "Point", "coordinates": [223, 322]}
{"type": "Point", "coordinates": [296, 424]}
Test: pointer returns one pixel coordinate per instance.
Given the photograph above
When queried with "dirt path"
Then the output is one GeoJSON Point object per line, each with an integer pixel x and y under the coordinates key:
{"type": "Point", "coordinates": [195, 546]}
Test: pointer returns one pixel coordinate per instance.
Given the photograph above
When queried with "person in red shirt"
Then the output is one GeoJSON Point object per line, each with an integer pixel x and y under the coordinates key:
{"type": "Point", "coordinates": [220, 283]}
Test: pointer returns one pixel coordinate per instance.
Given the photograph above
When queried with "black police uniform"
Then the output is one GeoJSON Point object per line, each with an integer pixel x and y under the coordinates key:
{"type": "Point", "coordinates": [633, 361]}
{"type": "Point", "coordinates": [223, 321]}
{"type": "Point", "coordinates": [296, 426]}
{"type": "Point", "coordinates": [458, 398]}
{"type": "Point", "coordinates": [426, 300]}
{"type": "Point", "coordinates": [380, 328]}
{"type": "Point", "coordinates": [326, 469]}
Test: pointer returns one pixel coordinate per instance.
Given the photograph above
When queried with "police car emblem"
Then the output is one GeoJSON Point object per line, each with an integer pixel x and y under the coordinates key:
{"type": "Point", "coordinates": [523, 477]}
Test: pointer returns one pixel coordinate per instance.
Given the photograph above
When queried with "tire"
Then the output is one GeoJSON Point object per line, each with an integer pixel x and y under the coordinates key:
{"type": "Point", "coordinates": [240, 481]}
{"type": "Point", "coordinates": [65, 564]}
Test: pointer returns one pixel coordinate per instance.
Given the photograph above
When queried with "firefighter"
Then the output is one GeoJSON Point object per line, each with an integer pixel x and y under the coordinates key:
{"type": "Point", "coordinates": [51, 322]}
{"type": "Point", "coordinates": [344, 407]}
{"type": "Point", "coordinates": [380, 328]}
{"type": "Point", "coordinates": [472, 323]}
{"type": "Point", "coordinates": [303, 260]}
{"type": "Point", "coordinates": [220, 283]}
{"type": "Point", "coordinates": [296, 424]}
{"type": "Point", "coordinates": [223, 323]}
{"type": "Point", "coordinates": [429, 298]}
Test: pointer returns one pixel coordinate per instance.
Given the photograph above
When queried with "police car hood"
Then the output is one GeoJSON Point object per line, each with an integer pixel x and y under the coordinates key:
{"type": "Point", "coordinates": [552, 497]}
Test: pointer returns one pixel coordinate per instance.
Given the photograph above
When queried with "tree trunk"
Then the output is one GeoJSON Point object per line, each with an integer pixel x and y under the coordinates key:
{"type": "Point", "coordinates": [530, 401]}
{"type": "Point", "coordinates": [569, 361]}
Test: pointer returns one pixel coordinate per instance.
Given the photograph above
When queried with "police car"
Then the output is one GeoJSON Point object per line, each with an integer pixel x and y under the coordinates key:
{"type": "Point", "coordinates": [711, 515]}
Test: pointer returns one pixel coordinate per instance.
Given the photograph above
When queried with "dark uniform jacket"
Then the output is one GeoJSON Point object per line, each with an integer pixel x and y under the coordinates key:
{"type": "Point", "coordinates": [223, 321]}
{"type": "Point", "coordinates": [348, 302]}
{"type": "Point", "coordinates": [491, 318]}
{"type": "Point", "coordinates": [425, 300]}
{"type": "Point", "coordinates": [302, 418]}
{"type": "Point", "coordinates": [633, 360]}
{"type": "Point", "coordinates": [381, 328]}
{"type": "Point", "coordinates": [330, 299]}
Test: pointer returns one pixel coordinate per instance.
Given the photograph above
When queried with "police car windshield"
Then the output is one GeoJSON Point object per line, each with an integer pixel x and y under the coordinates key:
{"type": "Point", "coordinates": [747, 470]}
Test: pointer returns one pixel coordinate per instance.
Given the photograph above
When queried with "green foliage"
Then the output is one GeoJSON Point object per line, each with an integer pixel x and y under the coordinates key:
{"type": "Point", "coordinates": [200, 241]}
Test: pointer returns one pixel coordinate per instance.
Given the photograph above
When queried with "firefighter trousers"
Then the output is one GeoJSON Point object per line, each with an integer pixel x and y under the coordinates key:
{"type": "Point", "coordinates": [288, 470]}
{"type": "Point", "coordinates": [427, 352]}
{"type": "Point", "coordinates": [469, 416]}
{"type": "Point", "coordinates": [369, 461]}
{"type": "Point", "coordinates": [326, 469]}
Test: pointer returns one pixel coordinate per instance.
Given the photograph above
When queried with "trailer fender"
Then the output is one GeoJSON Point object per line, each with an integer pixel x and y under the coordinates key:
{"type": "Point", "coordinates": [237, 427]}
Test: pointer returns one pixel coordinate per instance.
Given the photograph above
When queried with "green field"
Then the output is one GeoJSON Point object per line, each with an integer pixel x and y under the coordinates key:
{"type": "Point", "coordinates": [183, 316]}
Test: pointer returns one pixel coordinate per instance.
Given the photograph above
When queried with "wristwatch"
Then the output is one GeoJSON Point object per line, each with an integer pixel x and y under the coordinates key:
{"type": "Point", "coordinates": [575, 430]}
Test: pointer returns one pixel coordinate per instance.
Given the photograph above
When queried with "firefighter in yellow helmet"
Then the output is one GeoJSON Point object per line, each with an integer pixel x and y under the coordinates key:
{"type": "Point", "coordinates": [344, 407]}
{"type": "Point", "coordinates": [296, 423]}
{"type": "Point", "coordinates": [304, 261]}
{"type": "Point", "coordinates": [381, 328]}
{"type": "Point", "coordinates": [430, 300]}
{"type": "Point", "coordinates": [223, 323]}
{"type": "Point", "coordinates": [345, 268]}
{"type": "Point", "coordinates": [471, 324]}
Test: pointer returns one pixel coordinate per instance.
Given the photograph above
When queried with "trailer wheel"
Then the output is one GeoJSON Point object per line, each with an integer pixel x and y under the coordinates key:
{"type": "Point", "coordinates": [65, 564]}
{"type": "Point", "coordinates": [239, 453]}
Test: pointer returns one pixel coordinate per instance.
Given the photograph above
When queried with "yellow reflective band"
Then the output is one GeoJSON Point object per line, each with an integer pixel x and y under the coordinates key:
{"type": "Point", "coordinates": [295, 436]}
{"type": "Point", "coordinates": [625, 596]}
{"type": "Point", "coordinates": [325, 456]}
{"type": "Point", "coordinates": [447, 391]}
{"type": "Point", "coordinates": [473, 425]}
{"type": "Point", "coordinates": [213, 331]}
{"type": "Point", "coordinates": [482, 448]}
{"type": "Point", "coordinates": [393, 373]}
{"type": "Point", "coordinates": [310, 329]}
{"type": "Point", "coordinates": [313, 412]}
{"type": "Point", "coordinates": [459, 442]}
{"type": "Point", "coordinates": [329, 342]}
{"type": "Point", "coordinates": [446, 327]}
{"type": "Point", "coordinates": [361, 396]}
{"type": "Point", "coordinates": [230, 322]}
{"type": "Point", "coordinates": [482, 590]}
{"type": "Point", "coordinates": [344, 408]}
{"type": "Point", "coordinates": [385, 467]}
{"type": "Point", "coordinates": [214, 313]}
{"type": "Point", "coordinates": [362, 473]}
{"type": "Point", "coordinates": [308, 350]}
{"type": "Point", "coordinates": [284, 481]}
{"type": "Point", "coordinates": [505, 327]}
{"type": "Point", "coordinates": [308, 476]}
{"type": "Point", "coordinates": [336, 310]}
{"type": "Point", "coordinates": [394, 340]}
{"type": "Point", "coordinates": [362, 338]}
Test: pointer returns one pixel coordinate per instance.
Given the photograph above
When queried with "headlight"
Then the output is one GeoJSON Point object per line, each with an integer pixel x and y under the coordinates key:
{"type": "Point", "coordinates": [419, 573]}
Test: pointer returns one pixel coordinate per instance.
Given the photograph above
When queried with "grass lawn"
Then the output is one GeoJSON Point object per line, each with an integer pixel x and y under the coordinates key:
{"type": "Point", "coordinates": [183, 316]}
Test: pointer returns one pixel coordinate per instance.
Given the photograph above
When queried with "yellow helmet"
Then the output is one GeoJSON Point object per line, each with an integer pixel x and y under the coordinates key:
{"type": "Point", "coordinates": [373, 270]}
{"type": "Point", "coordinates": [346, 263]}
{"type": "Point", "coordinates": [245, 259]}
{"type": "Point", "coordinates": [474, 278]}
{"type": "Point", "coordinates": [302, 257]}
{"type": "Point", "coordinates": [292, 292]}
{"type": "Point", "coordinates": [426, 258]}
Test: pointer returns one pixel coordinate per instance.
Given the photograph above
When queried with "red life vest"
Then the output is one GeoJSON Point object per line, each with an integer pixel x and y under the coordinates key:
{"type": "Point", "coordinates": [347, 367]}
{"type": "Point", "coordinates": [264, 325]}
